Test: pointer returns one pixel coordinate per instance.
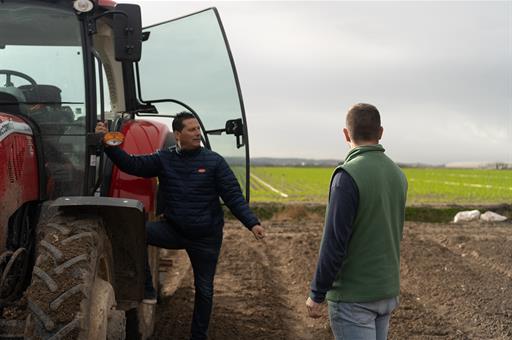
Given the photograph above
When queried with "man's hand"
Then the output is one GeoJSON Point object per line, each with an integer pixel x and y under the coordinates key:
{"type": "Point", "coordinates": [315, 310]}
{"type": "Point", "coordinates": [258, 232]}
{"type": "Point", "coordinates": [101, 128]}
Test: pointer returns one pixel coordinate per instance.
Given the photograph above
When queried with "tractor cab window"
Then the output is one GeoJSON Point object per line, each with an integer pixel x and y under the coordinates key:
{"type": "Point", "coordinates": [188, 61]}
{"type": "Point", "coordinates": [42, 79]}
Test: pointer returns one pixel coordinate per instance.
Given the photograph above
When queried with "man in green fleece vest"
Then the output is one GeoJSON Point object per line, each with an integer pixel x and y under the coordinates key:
{"type": "Point", "coordinates": [358, 270]}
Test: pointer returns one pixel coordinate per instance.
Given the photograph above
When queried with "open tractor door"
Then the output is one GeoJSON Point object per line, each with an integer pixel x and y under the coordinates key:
{"type": "Point", "coordinates": [72, 226]}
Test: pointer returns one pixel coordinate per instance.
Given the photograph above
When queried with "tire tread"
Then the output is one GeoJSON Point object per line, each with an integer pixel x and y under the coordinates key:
{"type": "Point", "coordinates": [67, 256]}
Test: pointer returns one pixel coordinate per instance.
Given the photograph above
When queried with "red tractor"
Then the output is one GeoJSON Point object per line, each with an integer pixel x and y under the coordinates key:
{"type": "Point", "coordinates": [72, 226]}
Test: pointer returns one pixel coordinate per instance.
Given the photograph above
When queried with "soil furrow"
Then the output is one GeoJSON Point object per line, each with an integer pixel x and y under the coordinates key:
{"type": "Point", "coordinates": [476, 299]}
{"type": "Point", "coordinates": [261, 287]}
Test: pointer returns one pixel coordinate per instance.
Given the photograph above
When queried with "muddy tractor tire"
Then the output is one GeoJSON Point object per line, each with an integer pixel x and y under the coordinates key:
{"type": "Point", "coordinates": [71, 295]}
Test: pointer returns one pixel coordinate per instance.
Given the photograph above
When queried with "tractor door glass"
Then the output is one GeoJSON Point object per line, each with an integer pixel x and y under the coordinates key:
{"type": "Point", "coordinates": [42, 77]}
{"type": "Point", "coordinates": [188, 60]}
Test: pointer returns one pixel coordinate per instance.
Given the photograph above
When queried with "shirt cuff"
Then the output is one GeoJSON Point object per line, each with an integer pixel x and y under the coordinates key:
{"type": "Point", "coordinates": [317, 297]}
{"type": "Point", "coordinates": [251, 224]}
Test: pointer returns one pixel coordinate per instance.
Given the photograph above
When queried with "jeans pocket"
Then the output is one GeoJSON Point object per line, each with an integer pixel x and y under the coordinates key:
{"type": "Point", "coordinates": [393, 304]}
{"type": "Point", "coordinates": [360, 314]}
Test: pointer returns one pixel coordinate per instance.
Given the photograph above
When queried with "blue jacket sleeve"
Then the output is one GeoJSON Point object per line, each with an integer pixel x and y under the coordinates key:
{"type": "Point", "coordinates": [142, 166]}
{"type": "Point", "coordinates": [230, 192]}
{"type": "Point", "coordinates": [343, 204]}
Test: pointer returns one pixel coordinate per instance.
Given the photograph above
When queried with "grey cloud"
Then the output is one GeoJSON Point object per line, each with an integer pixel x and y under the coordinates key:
{"type": "Point", "coordinates": [440, 72]}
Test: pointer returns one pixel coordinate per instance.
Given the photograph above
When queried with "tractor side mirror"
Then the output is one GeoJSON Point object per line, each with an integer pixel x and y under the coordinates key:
{"type": "Point", "coordinates": [127, 32]}
{"type": "Point", "coordinates": [236, 127]}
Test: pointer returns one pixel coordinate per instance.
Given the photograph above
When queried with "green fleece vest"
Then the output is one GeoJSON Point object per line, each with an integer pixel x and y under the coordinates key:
{"type": "Point", "coordinates": [371, 267]}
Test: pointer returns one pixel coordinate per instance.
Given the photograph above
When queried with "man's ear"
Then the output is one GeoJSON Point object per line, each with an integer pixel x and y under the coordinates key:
{"type": "Point", "coordinates": [347, 135]}
{"type": "Point", "coordinates": [381, 131]}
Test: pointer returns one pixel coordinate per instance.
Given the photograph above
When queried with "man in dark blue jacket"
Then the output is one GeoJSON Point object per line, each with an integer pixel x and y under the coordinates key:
{"type": "Point", "coordinates": [191, 179]}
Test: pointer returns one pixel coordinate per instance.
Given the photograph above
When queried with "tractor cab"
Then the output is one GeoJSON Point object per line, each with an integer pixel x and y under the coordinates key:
{"type": "Point", "coordinates": [43, 80]}
{"type": "Point", "coordinates": [66, 64]}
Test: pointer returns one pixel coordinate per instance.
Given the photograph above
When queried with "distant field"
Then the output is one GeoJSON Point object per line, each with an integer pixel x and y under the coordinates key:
{"type": "Point", "coordinates": [426, 186]}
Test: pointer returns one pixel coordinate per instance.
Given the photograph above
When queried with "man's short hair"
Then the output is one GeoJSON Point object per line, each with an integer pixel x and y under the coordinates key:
{"type": "Point", "coordinates": [363, 122]}
{"type": "Point", "coordinates": [177, 123]}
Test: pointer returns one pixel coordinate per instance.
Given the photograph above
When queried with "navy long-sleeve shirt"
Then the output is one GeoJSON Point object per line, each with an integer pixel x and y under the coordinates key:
{"type": "Point", "coordinates": [343, 204]}
{"type": "Point", "coordinates": [191, 183]}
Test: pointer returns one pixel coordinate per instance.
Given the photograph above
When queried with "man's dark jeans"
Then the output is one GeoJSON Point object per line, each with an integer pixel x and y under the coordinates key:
{"type": "Point", "coordinates": [203, 254]}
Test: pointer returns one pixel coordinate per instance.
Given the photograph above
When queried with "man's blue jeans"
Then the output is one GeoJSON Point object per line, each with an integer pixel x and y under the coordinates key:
{"type": "Point", "coordinates": [361, 321]}
{"type": "Point", "coordinates": [203, 254]}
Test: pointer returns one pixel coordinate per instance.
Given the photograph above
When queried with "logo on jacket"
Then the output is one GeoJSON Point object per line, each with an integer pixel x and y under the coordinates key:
{"type": "Point", "coordinates": [201, 170]}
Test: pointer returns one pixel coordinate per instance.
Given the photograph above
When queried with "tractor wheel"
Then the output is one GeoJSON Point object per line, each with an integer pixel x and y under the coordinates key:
{"type": "Point", "coordinates": [71, 294]}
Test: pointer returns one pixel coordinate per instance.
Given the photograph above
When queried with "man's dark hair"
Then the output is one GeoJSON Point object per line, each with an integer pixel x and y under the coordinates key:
{"type": "Point", "coordinates": [177, 123]}
{"type": "Point", "coordinates": [363, 122]}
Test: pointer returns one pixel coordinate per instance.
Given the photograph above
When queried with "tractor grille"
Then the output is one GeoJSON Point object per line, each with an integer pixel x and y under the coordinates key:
{"type": "Point", "coordinates": [15, 163]}
{"type": "Point", "coordinates": [10, 166]}
{"type": "Point", "coordinates": [19, 156]}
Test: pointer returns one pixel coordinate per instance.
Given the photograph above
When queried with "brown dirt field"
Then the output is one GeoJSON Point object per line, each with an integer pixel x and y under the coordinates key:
{"type": "Point", "coordinates": [456, 284]}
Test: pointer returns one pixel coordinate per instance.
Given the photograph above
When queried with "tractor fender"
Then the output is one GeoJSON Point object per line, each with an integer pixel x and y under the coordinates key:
{"type": "Point", "coordinates": [124, 221]}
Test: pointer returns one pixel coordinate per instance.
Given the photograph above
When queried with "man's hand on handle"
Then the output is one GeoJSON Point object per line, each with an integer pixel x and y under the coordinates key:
{"type": "Point", "coordinates": [101, 128]}
{"type": "Point", "coordinates": [258, 232]}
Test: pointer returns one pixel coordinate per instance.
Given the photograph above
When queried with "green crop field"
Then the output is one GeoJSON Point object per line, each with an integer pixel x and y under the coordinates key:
{"type": "Point", "coordinates": [426, 185]}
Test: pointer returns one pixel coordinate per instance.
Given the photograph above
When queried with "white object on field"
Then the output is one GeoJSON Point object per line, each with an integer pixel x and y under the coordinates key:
{"type": "Point", "coordinates": [466, 216]}
{"type": "Point", "coordinates": [490, 216]}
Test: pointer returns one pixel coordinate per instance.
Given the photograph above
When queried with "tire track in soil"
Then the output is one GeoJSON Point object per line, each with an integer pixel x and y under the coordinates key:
{"type": "Point", "coordinates": [413, 321]}
{"type": "Point", "coordinates": [473, 299]}
{"type": "Point", "coordinates": [491, 249]}
{"type": "Point", "coordinates": [261, 288]}
{"type": "Point", "coordinates": [257, 295]}
{"type": "Point", "coordinates": [246, 301]}
{"type": "Point", "coordinates": [293, 248]}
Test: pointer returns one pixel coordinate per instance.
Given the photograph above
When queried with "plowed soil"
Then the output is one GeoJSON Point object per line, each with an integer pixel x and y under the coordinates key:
{"type": "Point", "coordinates": [456, 284]}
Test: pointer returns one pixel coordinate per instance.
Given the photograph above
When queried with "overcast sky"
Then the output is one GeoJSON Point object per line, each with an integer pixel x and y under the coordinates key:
{"type": "Point", "coordinates": [439, 72]}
